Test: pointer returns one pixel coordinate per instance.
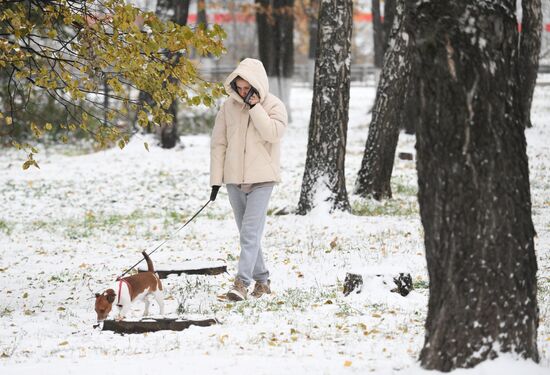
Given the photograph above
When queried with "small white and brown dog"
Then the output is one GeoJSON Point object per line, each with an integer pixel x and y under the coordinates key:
{"type": "Point", "coordinates": [129, 290]}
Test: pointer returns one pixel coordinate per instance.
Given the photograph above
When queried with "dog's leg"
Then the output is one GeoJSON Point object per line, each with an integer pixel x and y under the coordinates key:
{"type": "Point", "coordinates": [146, 310]}
{"type": "Point", "coordinates": [159, 297]}
{"type": "Point", "coordinates": [123, 311]}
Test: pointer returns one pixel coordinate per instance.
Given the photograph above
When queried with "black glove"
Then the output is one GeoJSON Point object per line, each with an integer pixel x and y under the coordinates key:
{"type": "Point", "coordinates": [214, 193]}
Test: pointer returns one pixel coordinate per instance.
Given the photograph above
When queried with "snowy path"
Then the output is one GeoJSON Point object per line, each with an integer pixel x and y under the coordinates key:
{"type": "Point", "coordinates": [71, 227]}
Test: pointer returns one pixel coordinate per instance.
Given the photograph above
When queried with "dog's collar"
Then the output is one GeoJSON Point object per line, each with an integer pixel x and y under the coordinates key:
{"type": "Point", "coordinates": [120, 281]}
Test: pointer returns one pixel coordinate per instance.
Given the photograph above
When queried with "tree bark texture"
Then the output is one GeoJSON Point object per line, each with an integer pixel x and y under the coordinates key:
{"type": "Point", "coordinates": [324, 169]}
{"type": "Point", "coordinates": [374, 176]}
{"type": "Point", "coordinates": [529, 52]}
{"type": "Point", "coordinates": [473, 178]}
{"type": "Point", "coordinates": [410, 115]}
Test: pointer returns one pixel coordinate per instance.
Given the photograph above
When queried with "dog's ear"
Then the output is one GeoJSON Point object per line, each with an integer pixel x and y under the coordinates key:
{"type": "Point", "coordinates": [97, 295]}
{"type": "Point", "coordinates": [110, 294]}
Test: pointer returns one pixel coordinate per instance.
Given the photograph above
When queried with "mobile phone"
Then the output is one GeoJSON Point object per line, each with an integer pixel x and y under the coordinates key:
{"type": "Point", "coordinates": [251, 92]}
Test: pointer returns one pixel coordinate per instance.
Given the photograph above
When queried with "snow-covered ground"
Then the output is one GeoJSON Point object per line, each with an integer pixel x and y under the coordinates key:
{"type": "Point", "coordinates": [68, 229]}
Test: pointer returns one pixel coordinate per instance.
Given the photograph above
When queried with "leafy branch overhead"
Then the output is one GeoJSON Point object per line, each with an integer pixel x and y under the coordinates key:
{"type": "Point", "coordinates": [80, 53]}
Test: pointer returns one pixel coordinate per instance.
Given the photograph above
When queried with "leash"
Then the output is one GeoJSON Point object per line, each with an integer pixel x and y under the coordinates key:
{"type": "Point", "coordinates": [168, 239]}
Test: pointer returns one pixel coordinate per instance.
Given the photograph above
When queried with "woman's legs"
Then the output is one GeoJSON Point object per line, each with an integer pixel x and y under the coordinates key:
{"type": "Point", "coordinates": [250, 211]}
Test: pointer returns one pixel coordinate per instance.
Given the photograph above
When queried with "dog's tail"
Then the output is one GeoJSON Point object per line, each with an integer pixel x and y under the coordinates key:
{"type": "Point", "coordinates": [150, 267]}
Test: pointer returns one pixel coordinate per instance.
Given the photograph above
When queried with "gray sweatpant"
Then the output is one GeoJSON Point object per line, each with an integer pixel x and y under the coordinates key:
{"type": "Point", "coordinates": [250, 211]}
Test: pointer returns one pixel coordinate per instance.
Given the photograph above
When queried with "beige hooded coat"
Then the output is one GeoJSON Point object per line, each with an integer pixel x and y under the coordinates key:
{"type": "Point", "coordinates": [245, 145]}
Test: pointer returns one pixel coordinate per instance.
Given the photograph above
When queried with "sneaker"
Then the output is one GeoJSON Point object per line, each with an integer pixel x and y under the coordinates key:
{"type": "Point", "coordinates": [238, 292]}
{"type": "Point", "coordinates": [260, 289]}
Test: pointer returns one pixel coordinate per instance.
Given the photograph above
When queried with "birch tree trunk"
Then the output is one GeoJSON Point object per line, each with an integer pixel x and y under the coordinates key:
{"type": "Point", "coordinates": [324, 177]}
{"type": "Point", "coordinates": [529, 51]}
{"type": "Point", "coordinates": [374, 176]}
{"type": "Point", "coordinates": [275, 22]}
{"type": "Point", "coordinates": [473, 178]}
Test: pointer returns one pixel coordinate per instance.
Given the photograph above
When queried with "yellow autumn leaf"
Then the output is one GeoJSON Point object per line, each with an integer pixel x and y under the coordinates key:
{"type": "Point", "coordinates": [347, 363]}
{"type": "Point", "coordinates": [222, 339]}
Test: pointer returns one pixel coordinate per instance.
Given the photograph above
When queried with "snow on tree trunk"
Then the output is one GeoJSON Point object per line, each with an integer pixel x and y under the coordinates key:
{"type": "Point", "coordinates": [530, 41]}
{"type": "Point", "coordinates": [275, 22]}
{"type": "Point", "coordinates": [324, 169]}
{"type": "Point", "coordinates": [473, 178]}
{"type": "Point", "coordinates": [374, 176]}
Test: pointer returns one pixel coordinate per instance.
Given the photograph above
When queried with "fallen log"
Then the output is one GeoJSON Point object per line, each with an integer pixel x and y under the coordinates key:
{"type": "Point", "coordinates": [191, 268]}
{"type": "Point", "coordinates": [153, 325]}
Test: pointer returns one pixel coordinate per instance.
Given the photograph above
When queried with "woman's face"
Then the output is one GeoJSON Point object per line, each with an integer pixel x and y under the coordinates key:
{"type": "Point", "coordinates": [243, 87]}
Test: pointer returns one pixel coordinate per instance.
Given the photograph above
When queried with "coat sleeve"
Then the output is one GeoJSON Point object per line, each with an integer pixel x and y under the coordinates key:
{"type": "Point", "coordinates": [270, 123]}
{"type": "Point", "coordinates": [218, 146]}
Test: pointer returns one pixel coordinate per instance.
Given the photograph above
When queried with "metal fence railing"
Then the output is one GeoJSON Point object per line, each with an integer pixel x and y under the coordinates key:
{"type": "Point", "coordinates": [361, 75]}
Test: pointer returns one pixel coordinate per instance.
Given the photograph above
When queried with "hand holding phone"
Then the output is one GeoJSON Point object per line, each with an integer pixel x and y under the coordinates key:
{"type": "Point", "coordinates": [252, 97]}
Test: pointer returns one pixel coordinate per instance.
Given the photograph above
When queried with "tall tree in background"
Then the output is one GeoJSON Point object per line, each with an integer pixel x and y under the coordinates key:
{"type": "Point", "coordinates": [378, 34]}
{"type": "Point", "coordinates": [381, 29]}
{"type": "Point", "coordinates": [374, 176]}
{"type": "Point", "coordinates": [176, 11]}
{"type": "Point", "coordinates": [313, 23]}
{"type": "Point", "coordinates": [408, 113]}
{"type": "Point", "coordinates": [201, 12]}
{"type": "Point", "coordinates": [389, 16]}
{"type": "Point", "coordinates": [529, 51]}
{"type": "Point", "coordinates": [473, 178]}
{"type": "Point", "coordinates": [324, 176]}
{"type": "Point", "coordinates": [275, 22]}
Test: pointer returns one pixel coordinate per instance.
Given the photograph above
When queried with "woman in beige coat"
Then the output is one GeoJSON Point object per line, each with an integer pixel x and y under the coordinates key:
{"type": "Point", "coordinates": [245, 155]}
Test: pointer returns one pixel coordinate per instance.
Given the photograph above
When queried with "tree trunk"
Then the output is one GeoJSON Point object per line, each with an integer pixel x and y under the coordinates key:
{"type": "Point", "coordinates": [473, 178]}
{"type": "Point", "coordinates": [201, 12]}
{"type": "Point", "coordinates": [410, 115]}
{"type": "Point", "coordinates": [374, 176]}
{"type": "Point", "coordinates": [312, 12]}
{"type": "Point", "coordinates": [169, 132]}
{"type": "Point", "coordinates": [377, 34]}
{"type": "Point", "coordinates": [529, 51]}
{"type": "Point", "coordinates": [324, 177]}
{"type": "Point", "coordinates": [389, 16]}
{"type": "Point", "coordinates": [275, 23]}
